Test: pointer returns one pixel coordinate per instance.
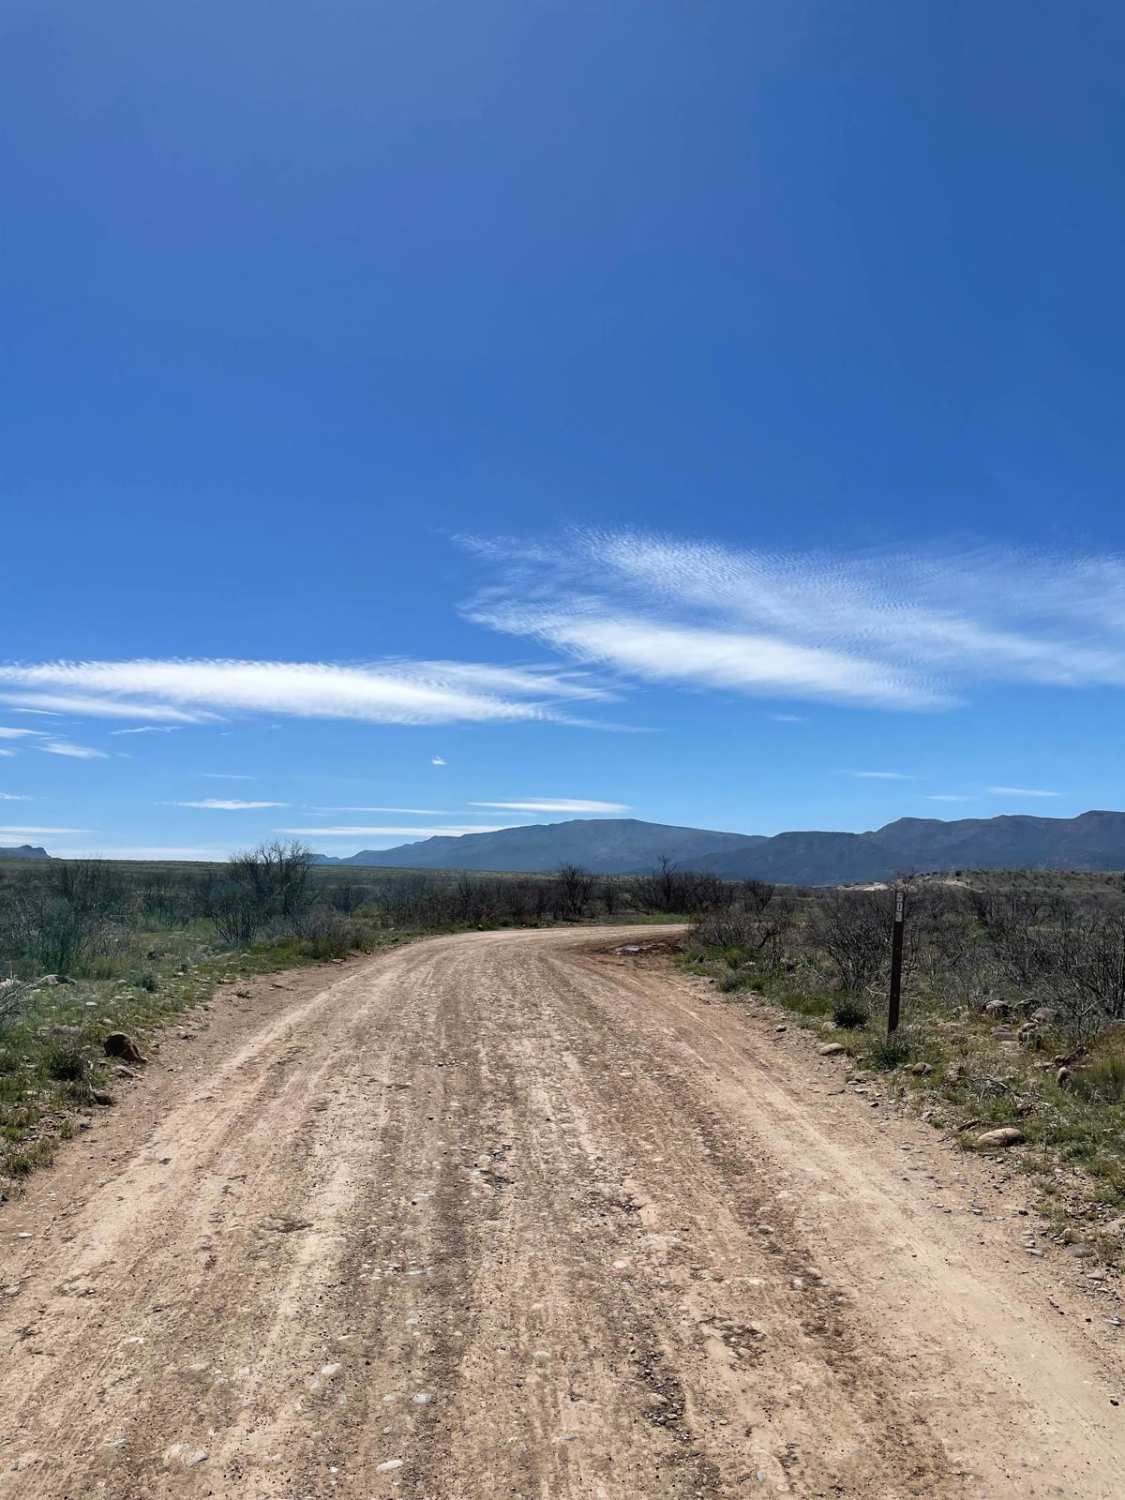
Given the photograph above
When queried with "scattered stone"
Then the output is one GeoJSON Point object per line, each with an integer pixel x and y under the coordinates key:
{"type": "Point", "coordinates": [781, 1028]}
{"type": "Point", "coordinates": [183, 1456]}
{"type": "Point", "coordinates": [328, 1371]}
{"type": "Point", "coordinates": [423, 1398]}
{"type": "Point", "coordinates": [955, 1072]}
{"type": "Point", "coordinates": [1062, 1077]}
{"type": "Point", "coordinates": [999, 1010]}
{"type": "Point", "coordinates": [1008, 1135]}
{"type": "Point", "coordinates": [119, 1044]}
{"type": "Point", "coordinates": [388, 1466]}
{"type": "Point", "coordinates": [832, 1049]}
{"type": "Point", "coordinates": [101, 1096]}
{"type": "Point", "coordinates": [1044, 1016]}
{"type": "Point", "coordinates": [921, 1069]}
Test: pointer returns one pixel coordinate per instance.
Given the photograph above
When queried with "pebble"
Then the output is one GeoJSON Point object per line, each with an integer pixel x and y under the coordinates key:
{"type": "Point", "coordinates": [423, 1398]}
{"type": "Point", "coordinates": [388, 1466]}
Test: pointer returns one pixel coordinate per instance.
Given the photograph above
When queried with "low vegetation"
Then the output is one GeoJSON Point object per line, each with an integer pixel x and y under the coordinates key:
{"type": "Point", "coordinates": [1013, 1005]}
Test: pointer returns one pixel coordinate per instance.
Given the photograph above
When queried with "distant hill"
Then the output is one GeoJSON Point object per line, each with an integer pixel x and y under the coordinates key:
{"type": "Point", "coordinates": [603, 845]}
{"type": "Point", "coordinates": [24, 851]}
{"type": "Point", "coordinates": [626, 846]}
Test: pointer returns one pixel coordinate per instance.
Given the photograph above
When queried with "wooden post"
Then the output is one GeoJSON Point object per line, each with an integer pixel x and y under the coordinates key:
{"type": "Point", "coordinates": [895, 998]}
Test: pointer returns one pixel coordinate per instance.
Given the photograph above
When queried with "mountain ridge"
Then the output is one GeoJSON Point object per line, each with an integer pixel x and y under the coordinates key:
{"type": "Point", "coordinates": [1093, 840]}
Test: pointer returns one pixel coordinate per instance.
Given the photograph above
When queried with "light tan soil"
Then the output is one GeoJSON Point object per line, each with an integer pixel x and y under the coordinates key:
{"type": "Point", "coordinates": [525, 1219]}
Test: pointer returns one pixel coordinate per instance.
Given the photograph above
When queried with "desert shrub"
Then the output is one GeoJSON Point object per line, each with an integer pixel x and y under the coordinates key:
{"type": "Point", "coordinates": [849, 1013]}
{"type": "Point", "coordinates": [323, 933]}
{"type": "Point", "coordinates": [853, 928]}
{"type": "Point", "coordinates": [65, 1062]}
{"type": "Point", "coordinates": [888, 1054]}
{"type": "Point", "coordinates": [272, 881]}
{"type": "Point", "coordinates": [730, 983]}
{"type": "Point", "coordinates": [236, 914]}
{"type": "Point", "coordinates": [672, 891]}
{"type": "Point", "coordinates": [49, 932]}
{"type": "Point", "coordinates": [1101, 1081]}
{"type": "Point", "coordinates": [576, 886]}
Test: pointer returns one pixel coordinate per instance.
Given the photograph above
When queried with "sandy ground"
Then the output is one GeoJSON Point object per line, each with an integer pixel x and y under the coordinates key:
{"type": "Point", "coordinates": [499, 1215]}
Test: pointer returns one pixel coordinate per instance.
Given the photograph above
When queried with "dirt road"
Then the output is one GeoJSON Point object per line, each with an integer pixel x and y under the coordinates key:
{"type": "Point", "coordinates": [501, 1216]}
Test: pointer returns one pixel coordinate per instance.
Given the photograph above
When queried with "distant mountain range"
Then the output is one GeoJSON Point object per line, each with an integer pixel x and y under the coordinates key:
{"type": "Point", "coordinates": [627, 846]}
{"type": "Point", "coordinates": [23, 851]}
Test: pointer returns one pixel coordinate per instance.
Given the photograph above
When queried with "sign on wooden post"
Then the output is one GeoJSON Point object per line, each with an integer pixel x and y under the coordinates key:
{"type": "Point", "coordinates": [894, 1001]}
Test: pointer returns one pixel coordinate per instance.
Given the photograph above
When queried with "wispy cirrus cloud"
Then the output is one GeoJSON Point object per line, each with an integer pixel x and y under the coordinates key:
{"type": "Point", "coordinates": [880, 775]}
{"type": "Point", "coordinates": [950, 796]}
{"type": "Point", "coordinates": [555, 804]}
{"type": "Point", "coordinates": [69, 750]}
{"type": "Point", "coordinates": [36, 832]}
{"type": "Point", "coordinates": [1021, 791]}
{"type": "Point", "coordinates": [385, 831]}
{"type": "Point", "coordinates": [139, 852]}
{"type": "Point", "coordinates": [14, 797]}
{"type": "Point", "coordinates": [888, 630]}
{"type": "Point", "coordinates": [389, 692]}
{"type": "Point", "coordinates": [225, 804]}
{"type": "Point", "coordinates": [18, 734]}
{"type": "Point", "coordinates": [149, 729]}
{"type": "Point", "coordinates": [412, 812]}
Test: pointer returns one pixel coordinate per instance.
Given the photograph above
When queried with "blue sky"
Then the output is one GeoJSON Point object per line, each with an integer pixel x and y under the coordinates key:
{"type": "Point", "coordinates": [684, 408]}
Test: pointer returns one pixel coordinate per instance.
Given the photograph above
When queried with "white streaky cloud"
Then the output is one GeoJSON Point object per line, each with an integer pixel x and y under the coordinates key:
{"type": "Point", "coordinates": [382, 831]}
{"type": "Point", "coordinates": [700, 656]}
{"type": "Point", "coordinates": [145, 852]}
{"type": "Point", "coordinates": [150, 729]}
{"type": "Point", "coordinates": [87, 705]}
{"type": "Point", "coordinates": [18, 734]}
{"type": "Point", "coordinates": [6, 752]}
{"type": "Point", "coordinates": [890, 630]}
{"type": "Point", "coordinates": [412, 812]}
{"type": "Point", "coordinates": [1021, 791]}
{"type": "Point", "coordinates": [227, 776]}
{"type": "Point", "coordinates": [14, 797]}
{"type": "Point", "coordinates": [787, 718]}
{"type": "Point", "coordinates": [556, 804]}
{"type": "Point", "coordinates": [950, 797]}
{"type": "Point", "coordinates": [880, 775]}
{"type": "Point", "coordinates": [390, 692]}
{"type": "Point", "coordinates": [438, 760]}
{"type": "Point", "coordinates": [71, 751]}
{"type": "Point", "coordinates": [37, 832]}
{"type": "Point", "coordinates": [225, 804]}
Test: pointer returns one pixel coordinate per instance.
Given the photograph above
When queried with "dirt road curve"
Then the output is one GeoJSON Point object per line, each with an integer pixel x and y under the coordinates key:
{"type": "Point", "coordinates": [500, 1216]}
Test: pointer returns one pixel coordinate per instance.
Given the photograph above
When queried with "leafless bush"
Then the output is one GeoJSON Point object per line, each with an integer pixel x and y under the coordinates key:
{"type": "Point", "coordinates": [270, 882]}
{"type": "Point", "coordinates": [750, 928]}
{"type": "Point", "coordinates": [757, 894]}
{"type": "Point", "coordinates": [576, 886]}
{"type": "Point", "coordinates": [852, 928]}
{"type": "Point", "coordinates": [48, 932]}
{"type": "Point", "coordinates": [674, 891]}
